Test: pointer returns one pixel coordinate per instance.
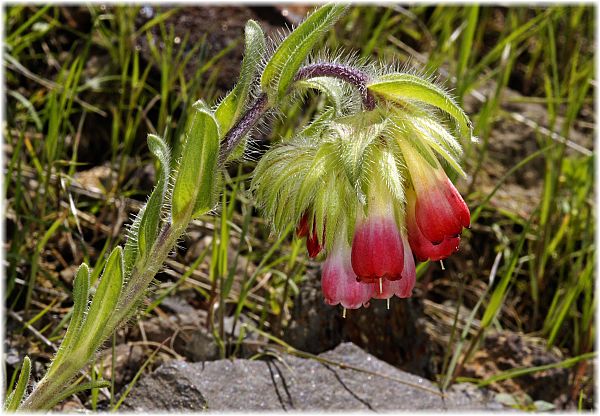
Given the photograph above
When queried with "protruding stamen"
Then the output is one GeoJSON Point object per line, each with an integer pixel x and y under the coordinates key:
{"type": "Point", "coordinates": [442, 264]}
{"type": "Point", "coordinates": [388, 303]}
{"type": "Point", "coordinates": [380, 286]}
{"type": "Point", "coordinates": [344, 313]}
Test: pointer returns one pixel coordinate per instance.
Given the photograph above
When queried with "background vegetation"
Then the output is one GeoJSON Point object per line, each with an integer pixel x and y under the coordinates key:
{"type": "Point", "coordinates": [85, 85]}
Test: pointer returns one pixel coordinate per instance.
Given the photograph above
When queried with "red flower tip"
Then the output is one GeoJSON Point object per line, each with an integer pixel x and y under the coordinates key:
{"type": "Point", "coordinates": [302, 227]}
{"type": "Point", "coordinates": [312, 242]}
{"type": "Point", "coordinates": [440, 211]}
{"type": "Point", "coordinates": [377, 249]}
{"type": "Point", "coordinates": [422, 247]}
{"type": "Point", "coordinates": [403, 287]}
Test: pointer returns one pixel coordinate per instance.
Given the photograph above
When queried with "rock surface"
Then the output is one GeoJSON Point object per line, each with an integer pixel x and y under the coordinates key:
{"type": "Point", "coordinates": [395, 335]}
{"type": "Point", "coordinates": [293, 383]}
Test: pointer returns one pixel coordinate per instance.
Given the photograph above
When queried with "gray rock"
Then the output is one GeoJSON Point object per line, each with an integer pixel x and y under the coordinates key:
{"type": "Point", "coordinates": [171, 387]}
{"type": "Point", "coordinates": [396, 335]}
{"type": "Point", "coordinates": [293, 383]}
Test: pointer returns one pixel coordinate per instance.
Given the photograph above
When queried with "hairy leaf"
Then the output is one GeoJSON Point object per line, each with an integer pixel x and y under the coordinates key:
{"type": "Point", "coordinates": [292, 52]}
{"type": "Point", "coordinates": [149, 224]}
{"type": "Point", "coordinates": [232, 106]}
{"type": "Point", "coordinates": [16, 396]}
{"type": "Point", "coordinates": [195, 182]}
{"type": "Point", "coordinates": [102, 306]}
{"type": "Point", "coordinates": [77, 389]}
{"type": "Point", "coordinates": [130, 252]}
{"type": "Point", "coordinates": [81, 287]}
{"type": "Point", "coordinates": [407, 87]}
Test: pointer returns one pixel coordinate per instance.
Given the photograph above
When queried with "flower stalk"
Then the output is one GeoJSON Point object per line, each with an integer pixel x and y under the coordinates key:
{"type": "Point", "coordinates": [249, 120]}
{"type": "Point", "coordinates": [347, 73]}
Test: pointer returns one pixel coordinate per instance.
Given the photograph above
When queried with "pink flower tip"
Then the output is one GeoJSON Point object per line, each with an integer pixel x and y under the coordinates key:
{"type": "Point", "coordinates": [339, 283]}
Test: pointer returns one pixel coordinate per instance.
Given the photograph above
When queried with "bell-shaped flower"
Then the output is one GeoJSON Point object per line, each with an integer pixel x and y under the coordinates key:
{"type": "Point", "coordinates": [385, 289]}
{"type": "Point", "coordinates": [377, 248]}
{"type": "Point", "coordinates": [423, 248]}
{"type": "Point", "coordinates": [440, 211]}
{"type": "Point", "coordinates": [339, 282]}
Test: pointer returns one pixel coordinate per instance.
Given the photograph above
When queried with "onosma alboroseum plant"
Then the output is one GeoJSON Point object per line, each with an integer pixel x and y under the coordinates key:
{"type": "Point", "coordinates": [365, 183]}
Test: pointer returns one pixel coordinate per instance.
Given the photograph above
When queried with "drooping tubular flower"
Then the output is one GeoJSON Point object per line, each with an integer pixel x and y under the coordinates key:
{"type": "Point", "coordinates": [377, 247]}
{"type": "Point", "coordinates": [339, 281]}
{"type": "Point", "coordinates": [341, 284]}
{"type": "Point", "coordinates": [421, 246]}
{"type": "Point", "coordinates": [440, 213]}
{"type": "Point", "coordinates": [402, 288]}
{"type": "Point", "coordinates": [372, 175]}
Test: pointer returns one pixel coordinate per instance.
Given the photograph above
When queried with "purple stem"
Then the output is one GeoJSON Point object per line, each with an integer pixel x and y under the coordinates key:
{"type": "Point", "coordinates": [347, 73]}
{"type": "Point", "coordinates": [243, 126]}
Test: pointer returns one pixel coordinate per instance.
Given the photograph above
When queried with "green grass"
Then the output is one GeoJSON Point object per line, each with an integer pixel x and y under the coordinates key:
{"type": "Point", "coordinates": [59, 103]}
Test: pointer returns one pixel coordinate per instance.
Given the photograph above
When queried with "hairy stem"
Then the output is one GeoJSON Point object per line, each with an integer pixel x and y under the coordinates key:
{"type": "Point", "coordinates": [51, 385]}
{"type": "Point", "coordinates": [132, 293]}
{"type": "Point", "coordinates": [243, 126]}
{"type": "Point", "coordinates": [346, 73]}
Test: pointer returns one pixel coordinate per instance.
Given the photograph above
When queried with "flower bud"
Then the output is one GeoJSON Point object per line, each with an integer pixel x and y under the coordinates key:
{"type": "Point", "coordinates": [302, 227]}
{"type": "Point", "coordinates": [313, 245]}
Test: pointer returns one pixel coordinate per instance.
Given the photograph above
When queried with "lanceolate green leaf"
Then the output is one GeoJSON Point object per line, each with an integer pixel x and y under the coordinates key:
{"type": "Point", "coordinates": [150, 221]}
{"type": "Point", "coordinates": [103, 305]}
{"type": "Point", "coordinates": [232, 106]}
{"type": "Point", "coordinates": [292, 52]}
{"type": "Point", "coordinates": [76, 389]}
{"type": "Point", "coordinates": [15, 398]}
{"type": "Point", "coordinates": [81, 287]}
{"type": "Point", "coordinates": [407, 87]}
{"type": "Point", "coordinates": [194, 185]}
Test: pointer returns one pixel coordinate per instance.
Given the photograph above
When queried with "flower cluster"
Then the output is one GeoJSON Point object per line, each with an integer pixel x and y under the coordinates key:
{"type": "Point", "coordinates": [369, 194]}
